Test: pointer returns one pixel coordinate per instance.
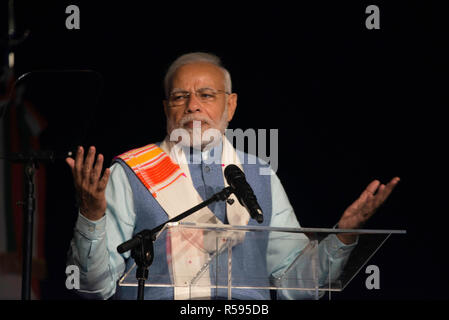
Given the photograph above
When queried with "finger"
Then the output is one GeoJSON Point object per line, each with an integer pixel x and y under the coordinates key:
{"type": "Point", "coordinates": [372, 187]}
{"type": "Point", "coordinates": [386, 191]}
{"type": "Point", "coordinates": [104, 180]}
{"type": "Point", "coordinates": [79, 165]}
{"type": "Point", "coordinates": [97, 169]}
{"type": "Point", "coordinates": [380, 197]}
{"type": "Point", "coordinates": [367, 193]}
{"type": "Point", "coordinates": [394, 181]}
{"type": "Point", "coordinates": [71, 163]}
{"type": "Point", "coordinates": [358, 203]}
{"type": "Point", "coordinates": [87, 167]}
{"type": "Point", "coordinates": [364, 201]}
{"type": "Point", "coordinates": [370, 207]}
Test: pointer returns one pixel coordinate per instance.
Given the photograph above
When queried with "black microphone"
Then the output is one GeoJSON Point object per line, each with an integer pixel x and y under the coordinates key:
{"type": "Point", "coordinates": [236, 179]}
{"type": "Point", "coordinates": [134, 241]}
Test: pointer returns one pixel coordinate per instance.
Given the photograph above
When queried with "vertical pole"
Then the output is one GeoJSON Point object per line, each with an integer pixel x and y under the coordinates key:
{"type": "Point", "coordinates": [330, 278]}
{"type": "Point", "coordinates": [27, 246]}
{"type": "Point", "coordinates": [314, 263]}
{"type": "Point", "coordinates": [229, 241]}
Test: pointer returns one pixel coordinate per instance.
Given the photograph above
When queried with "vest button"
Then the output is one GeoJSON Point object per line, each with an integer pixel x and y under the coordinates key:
{"type": "Point", "coordinates": [207, 169]}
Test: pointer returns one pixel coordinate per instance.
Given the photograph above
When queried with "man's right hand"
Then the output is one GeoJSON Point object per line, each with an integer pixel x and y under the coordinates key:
{"type": "Point", "coordinates": [89, 186]}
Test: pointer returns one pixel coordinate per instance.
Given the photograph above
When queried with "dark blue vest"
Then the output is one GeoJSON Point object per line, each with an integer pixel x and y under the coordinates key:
{"type": "Point", "coordinates": [249, 257]}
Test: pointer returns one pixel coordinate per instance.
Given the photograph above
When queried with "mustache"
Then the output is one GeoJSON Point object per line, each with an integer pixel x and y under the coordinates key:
{"type": "Point", "coordinates": [191, 117]}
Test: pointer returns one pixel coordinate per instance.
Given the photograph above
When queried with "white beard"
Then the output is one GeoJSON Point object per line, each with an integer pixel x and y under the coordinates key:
{"type": "Point", "coordinates": [198, 137]}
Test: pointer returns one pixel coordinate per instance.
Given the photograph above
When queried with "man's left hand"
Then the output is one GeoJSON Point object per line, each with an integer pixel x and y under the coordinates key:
{"type": "Point", "coordinates": [364, 207]}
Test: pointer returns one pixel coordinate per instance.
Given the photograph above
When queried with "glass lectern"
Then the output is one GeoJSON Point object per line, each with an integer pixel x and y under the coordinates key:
{"type": "Point", "coordinates": [304, 263]}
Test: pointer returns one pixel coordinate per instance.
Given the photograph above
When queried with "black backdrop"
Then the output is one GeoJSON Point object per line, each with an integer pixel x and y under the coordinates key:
{"type": "Point", "coordinates": [350, 105]}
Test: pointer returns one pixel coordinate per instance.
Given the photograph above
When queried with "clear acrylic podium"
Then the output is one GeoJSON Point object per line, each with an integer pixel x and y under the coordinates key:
{"type": "Point", "coordinates": [304, 263]}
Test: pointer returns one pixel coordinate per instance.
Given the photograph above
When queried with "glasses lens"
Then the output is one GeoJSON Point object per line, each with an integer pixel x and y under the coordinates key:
{"type": "Point", "coordinates": [178, 98]}
{"type": "Point", "coordinates": [206, 95]}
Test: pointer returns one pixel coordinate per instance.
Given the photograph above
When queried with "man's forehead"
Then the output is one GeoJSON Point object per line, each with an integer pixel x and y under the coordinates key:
{"type": "Point", "coordinates": [198, 72]}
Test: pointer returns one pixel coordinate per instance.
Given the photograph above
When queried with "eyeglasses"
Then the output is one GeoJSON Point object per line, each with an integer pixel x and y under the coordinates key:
{"type": "Point", "coordinates": [204, 95]}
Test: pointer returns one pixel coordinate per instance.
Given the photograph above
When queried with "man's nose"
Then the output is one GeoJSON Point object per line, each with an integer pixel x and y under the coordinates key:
{"type": "Point", "coordinates": [193, 104]}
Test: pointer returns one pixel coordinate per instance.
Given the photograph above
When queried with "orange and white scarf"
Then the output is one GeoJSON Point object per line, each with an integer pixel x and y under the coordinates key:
{"type": "Point", "coordinates": [165, 173]}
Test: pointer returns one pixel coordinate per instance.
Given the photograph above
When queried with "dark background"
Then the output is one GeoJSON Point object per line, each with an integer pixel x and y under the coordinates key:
{"type": "Point", "coordinates": [351, 105]}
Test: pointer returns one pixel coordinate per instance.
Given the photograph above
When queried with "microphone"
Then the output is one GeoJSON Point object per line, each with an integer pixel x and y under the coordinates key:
{"type": "Point", "coordinates": [134, 241]}
{"type": "Point", "coordinates": [236, 179]}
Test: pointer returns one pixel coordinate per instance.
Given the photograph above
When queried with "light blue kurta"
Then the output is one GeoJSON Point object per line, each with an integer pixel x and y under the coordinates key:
{"type": "Point", "coordinates": [93, 247]}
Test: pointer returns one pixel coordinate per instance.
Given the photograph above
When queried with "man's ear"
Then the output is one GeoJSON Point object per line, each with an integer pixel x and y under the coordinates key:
{"type": "Point", "coordinates": [232, 105]}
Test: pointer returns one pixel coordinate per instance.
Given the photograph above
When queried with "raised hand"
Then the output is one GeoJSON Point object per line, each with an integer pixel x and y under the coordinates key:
{"type": "Point", "coordinates": [365, 206]}
{"type": "Point", "coordinates": [90, 186]}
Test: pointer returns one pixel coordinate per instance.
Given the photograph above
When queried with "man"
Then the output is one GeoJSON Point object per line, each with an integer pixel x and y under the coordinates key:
{"type": "Point", "coordinates": [146, 186]}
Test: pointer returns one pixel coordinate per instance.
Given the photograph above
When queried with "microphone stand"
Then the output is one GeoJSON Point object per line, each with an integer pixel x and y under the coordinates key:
{"type": "Point", "coordinates": [141, 245]}
{"type": "Point", "coordinates": [30, 160]}
{"type": "Point", "coordinates": [28, 222]}
{"type": "Point", "coordinates": [31, 164]}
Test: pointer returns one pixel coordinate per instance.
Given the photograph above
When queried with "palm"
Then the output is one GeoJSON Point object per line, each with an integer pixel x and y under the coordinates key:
{"type": "Point", "coordinates": [366, 205]}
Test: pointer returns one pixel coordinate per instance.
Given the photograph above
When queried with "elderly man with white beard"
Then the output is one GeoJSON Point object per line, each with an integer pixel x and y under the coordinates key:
{"type": "Point", "coordinates": [145, 187]}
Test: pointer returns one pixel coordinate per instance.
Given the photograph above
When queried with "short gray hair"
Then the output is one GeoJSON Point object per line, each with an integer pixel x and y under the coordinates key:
{"type": "Point", "coordinates": [192, 58]}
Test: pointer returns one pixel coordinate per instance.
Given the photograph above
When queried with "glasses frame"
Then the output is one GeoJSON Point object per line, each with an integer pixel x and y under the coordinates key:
{"type": "Point", "coordinates": [188, 95]}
